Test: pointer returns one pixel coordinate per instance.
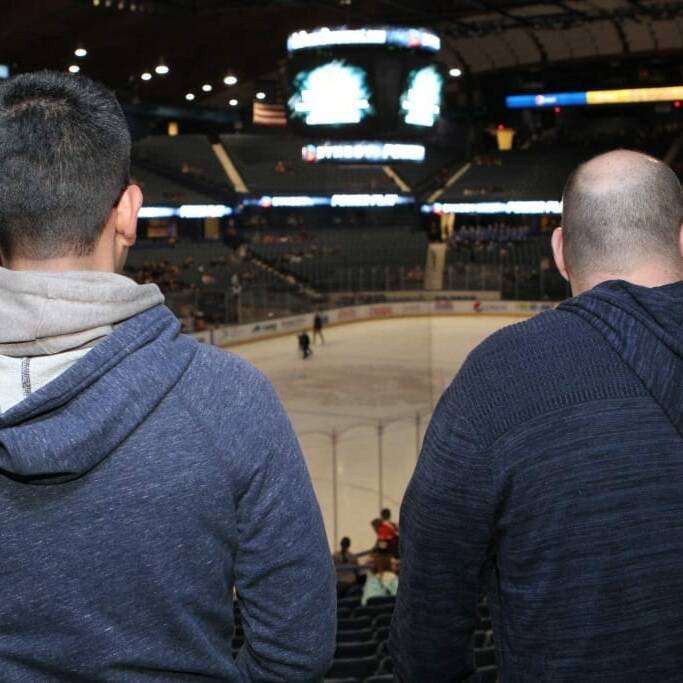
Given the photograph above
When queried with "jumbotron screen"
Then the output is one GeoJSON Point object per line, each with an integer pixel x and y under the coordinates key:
{"type": "Point", "coordinates": [384, 83]}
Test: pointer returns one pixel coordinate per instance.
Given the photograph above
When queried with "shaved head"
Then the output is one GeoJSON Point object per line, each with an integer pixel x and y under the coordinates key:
{"type": "Point", "coordinates": [620, 210]}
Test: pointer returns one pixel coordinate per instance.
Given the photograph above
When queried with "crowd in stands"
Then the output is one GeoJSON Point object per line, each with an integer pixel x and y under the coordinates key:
{"type": "Point", "coordinates": [366, 591]}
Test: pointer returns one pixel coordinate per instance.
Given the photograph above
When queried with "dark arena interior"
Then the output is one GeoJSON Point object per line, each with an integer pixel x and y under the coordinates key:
{"type": "Point", "coordinates": [394, 164]}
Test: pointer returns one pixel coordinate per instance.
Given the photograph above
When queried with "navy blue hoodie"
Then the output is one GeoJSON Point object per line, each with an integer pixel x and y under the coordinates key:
{"type": "Point", "coordinates": [552, 475]}
{"type": "Point", "coordinates": [137, 490]}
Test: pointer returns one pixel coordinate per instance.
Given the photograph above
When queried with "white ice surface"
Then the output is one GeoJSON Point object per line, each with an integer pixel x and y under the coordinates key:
{"type": "Point", "coordinates": [389, 371]}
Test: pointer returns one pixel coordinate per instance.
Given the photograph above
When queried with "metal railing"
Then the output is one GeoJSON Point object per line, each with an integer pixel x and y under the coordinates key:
{"type": "Point", "coordinates": [360, 468]}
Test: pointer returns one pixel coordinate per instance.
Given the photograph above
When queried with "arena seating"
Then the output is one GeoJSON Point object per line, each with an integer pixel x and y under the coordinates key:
{"type": "Point", "coordinates": [273, 165]}
{"type": "Point", "coordinates": [188, 156]}
{"type": "Point", "coordinates": [351, 260]}
{"type": "Point", "coordinates": [518, 175]}
{"type": "Point", "coordinates": [434, 170]}
{"type": "Point", "coordinates": [205, 271]}
{"type": "Point", "coordinates": [160, 190]}
{"type": "Point", "coordinates": [362, 654]}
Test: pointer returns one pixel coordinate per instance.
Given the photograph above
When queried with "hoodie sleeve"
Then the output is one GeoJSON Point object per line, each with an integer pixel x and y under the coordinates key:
{"type": "Point", "coordinates": [446, 528]}
{"type": "Point", "coordinates": [284, 574]}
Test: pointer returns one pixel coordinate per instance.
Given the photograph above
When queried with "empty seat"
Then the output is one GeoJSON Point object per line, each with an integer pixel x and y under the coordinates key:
{"type": "Point", "coordinates": [383, 650]}
{"type": "Point", "coordinates": [354, 623]}
{"type": "Point", "coordinates": [359, 636]}
{"type": "Point", "coordinates": [373, 610]}
{"type": "Point", "coordinates": [387, 666]}
{"type": "Point", "coordinates": [382, 620]}
{"type": "Point", "coordinates": [485, 657]}
{"type": "Point", "coordinates": [382, 633]}
{"type": "Point", "coordinates": [481, 639]}
{"type": "Point", "coordinates": [382, 600]}
{"type": "Point", "coordinates": [354, 668]}
{"type": "Point", "coordinates": [350, 602]}
{"type": "Point", "coordinates": [487, 674]}
{"type": "Point", "coordinates": [355, 650]}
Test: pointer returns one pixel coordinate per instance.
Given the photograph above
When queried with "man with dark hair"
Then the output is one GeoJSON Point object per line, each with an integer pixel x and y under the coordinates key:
{"type": "Point", "coordinates": [143, 477]}
{"type": "Point", "coordinates": [551, 475]}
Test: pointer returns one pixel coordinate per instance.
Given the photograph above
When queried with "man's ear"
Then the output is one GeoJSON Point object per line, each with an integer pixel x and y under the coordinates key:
{"type": "Point", "coordinates": [127, 210]}
{"type": "Point", "coordinates": [558, 252]}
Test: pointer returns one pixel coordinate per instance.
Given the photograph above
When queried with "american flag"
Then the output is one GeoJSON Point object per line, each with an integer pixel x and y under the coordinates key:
{"type": "Point", "coordinates": [269, 114]}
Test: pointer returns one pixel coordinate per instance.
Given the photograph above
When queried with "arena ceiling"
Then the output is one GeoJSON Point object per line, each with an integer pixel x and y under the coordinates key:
{"type": "Point", "coordinates": [202, 41]}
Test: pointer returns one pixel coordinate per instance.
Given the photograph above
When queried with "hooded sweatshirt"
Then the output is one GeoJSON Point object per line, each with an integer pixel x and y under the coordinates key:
{"type": "Point", "coordinates": [139, 488]}
{"type": "Point", "coordinates": [552, 478]}
{"type": "Point", "coordinates": [53, 319]}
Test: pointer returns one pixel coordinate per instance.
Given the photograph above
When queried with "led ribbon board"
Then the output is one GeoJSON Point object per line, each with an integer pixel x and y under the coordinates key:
{"type": "Point", "coordinates": [409, 38]}
{"type": "Point", "coordinates": [371, 152]}
{"type": "Point", "coordinates": [186, 211]}
{"type": "Point", "coordinates": [335, 200]}
{"type": "Point", "coordinates": [520, 207]}
{"type": "Point", "coordinates": [592, 97]}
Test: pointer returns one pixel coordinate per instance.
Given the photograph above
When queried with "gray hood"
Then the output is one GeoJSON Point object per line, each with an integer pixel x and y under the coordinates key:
{"type": "Point", "coordinates": [47, 313]}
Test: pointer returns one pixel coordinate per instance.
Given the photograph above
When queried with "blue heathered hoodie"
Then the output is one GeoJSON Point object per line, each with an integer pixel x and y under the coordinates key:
{"type": "Point", "coordinates": [552, 475]}
{"type": "Point", "coordinates": [137, 490]}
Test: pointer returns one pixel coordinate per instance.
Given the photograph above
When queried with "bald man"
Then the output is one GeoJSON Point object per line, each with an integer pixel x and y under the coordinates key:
{"type": "Point", "coordinates": [551, 476]}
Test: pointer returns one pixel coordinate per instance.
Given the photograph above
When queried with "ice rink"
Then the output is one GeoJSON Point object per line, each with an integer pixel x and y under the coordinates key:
{"type": "Point", "coordinates": [364, 400]}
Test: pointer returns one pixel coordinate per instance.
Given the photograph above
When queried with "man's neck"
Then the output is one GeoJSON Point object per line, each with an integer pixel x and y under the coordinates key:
{"type": "Point", "coordinates": [58, 265]}
{"type": "Point", "coordinates": [654, 275]}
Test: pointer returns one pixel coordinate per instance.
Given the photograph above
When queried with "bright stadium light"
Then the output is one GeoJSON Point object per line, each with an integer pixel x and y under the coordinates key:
{"type": "Point", "coordinates": [74, 69]}
{"type": "Point", "coordinates": [230, 80]}
{"type": "Point", "coordinates": [189, 96]}
{"type": "Point", "coordinates": [147, 76]}
{"type": "Point", "coordinates": [161, 68]}
{"type": "Point", "coordinates": [207, 87]}
{"type": "Point", "coordinates": [455, 72]}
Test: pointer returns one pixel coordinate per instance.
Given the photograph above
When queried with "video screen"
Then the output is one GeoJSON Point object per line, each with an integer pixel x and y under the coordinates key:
{"type": "Point", "coordinates": [421, 100]}
{"type": "Point", "coordinates": [336, 93]}
{"type": "Point", "coordinates": [364, 92]}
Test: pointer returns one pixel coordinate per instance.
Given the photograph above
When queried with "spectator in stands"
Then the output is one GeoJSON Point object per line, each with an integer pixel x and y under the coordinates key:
{"type": "Point", "coordinates": [347, 566]}
{"type": "Point", "coordinates": [381, 581]}
{"type": "Point", "coordinates": [143, 476]}
{"type": "Point", "coordinates": [389, 532]}
{"type": "Point", "coordinates": [386, 532]}
{"type": "Point", "coordinates": [554, 462]}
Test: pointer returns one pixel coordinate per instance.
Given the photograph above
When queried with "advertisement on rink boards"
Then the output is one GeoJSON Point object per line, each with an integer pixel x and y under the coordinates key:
{"type": "Point", "coordinates": [229, 335]}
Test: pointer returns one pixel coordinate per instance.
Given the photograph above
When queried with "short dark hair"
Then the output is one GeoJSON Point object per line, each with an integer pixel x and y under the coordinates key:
{"type": "Point", "coordinates": [386, 513]}
{"type": "Point", "coordinates": [345, 543]}
{"type": "Point", "coordinates": [610, 219]}
{"type": "Point", "coordinates": [64, 161]}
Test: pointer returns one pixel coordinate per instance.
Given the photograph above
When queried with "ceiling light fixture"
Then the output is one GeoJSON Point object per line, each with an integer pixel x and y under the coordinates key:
{"type": "Point", "coordinates": [260, 95]}
{"type": "Point", "coordinates": [161, 68]}
{"type": "Point", "coordinates": [455, 72]}
{"type": "Point", "coordinates": [207, 87]}
{"type": "Point", "coordinates": [189, 96]}
{"type": "Point", "coordinates": [233, 102]}
{"type": "Point", "coordinates": [80, 51]}
{"type": "Point", "coordinates": [230, 80]}
{"type": "Point", "coordinates": [146, 76]}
